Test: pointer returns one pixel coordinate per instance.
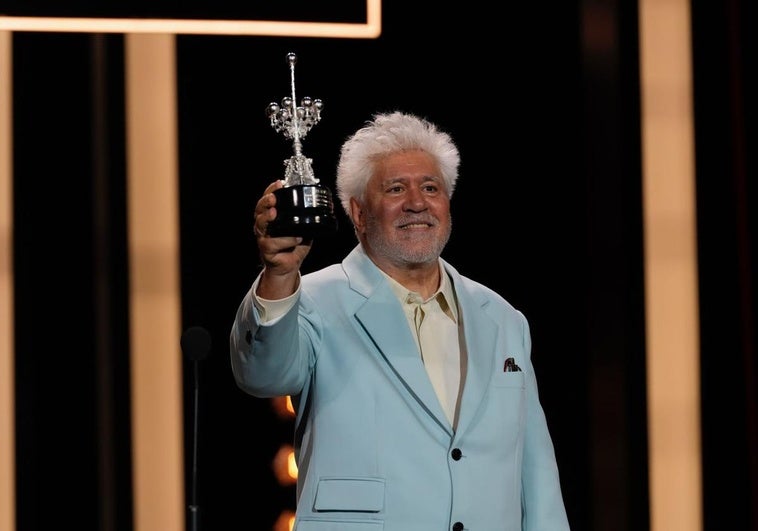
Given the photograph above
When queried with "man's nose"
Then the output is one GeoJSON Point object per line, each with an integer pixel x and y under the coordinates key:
{"type": "Point", "coordinates": [415, 200]}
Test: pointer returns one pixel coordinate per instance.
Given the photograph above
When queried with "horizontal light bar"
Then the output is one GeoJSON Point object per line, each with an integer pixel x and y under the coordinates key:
{"type": "Point", "coordinates": [371, 29]}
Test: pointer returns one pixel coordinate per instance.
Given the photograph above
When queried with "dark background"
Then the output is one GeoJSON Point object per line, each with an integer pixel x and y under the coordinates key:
{"type": "Point", "coordinates": [547, 212]}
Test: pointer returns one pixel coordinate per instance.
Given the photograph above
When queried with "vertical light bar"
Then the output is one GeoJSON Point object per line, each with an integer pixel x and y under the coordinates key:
{"type": "Point", "coordinates": [671, 294]}
{"type": "Point", "coordinates": [157, 433]}
{"type": "Point", "coordinates": [7, 389]}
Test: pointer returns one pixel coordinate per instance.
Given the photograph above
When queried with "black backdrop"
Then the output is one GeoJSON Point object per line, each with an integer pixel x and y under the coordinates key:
{"type": "Point", "coordinates": [547, 213]}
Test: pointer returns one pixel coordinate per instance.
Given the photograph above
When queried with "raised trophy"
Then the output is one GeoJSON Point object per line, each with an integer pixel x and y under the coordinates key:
{"type": "Point", "coordinates": [304, 207]}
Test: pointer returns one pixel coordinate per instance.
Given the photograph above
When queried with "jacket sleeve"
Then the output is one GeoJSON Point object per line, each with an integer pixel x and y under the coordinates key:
{"type": "Point", "coordinates": [542, 501]}
{"type": "Point", "coordinates": [268, 360]}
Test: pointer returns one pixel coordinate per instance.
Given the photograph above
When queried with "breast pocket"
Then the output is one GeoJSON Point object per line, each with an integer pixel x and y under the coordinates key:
{"type": "Point", "coordinates": [505, 408]}
{"type": "Point", "coordinates": [509, 379]}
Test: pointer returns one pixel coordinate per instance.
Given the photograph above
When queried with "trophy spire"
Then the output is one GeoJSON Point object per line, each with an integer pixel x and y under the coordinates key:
{"type": "Point", "coordinates": [295, 121]}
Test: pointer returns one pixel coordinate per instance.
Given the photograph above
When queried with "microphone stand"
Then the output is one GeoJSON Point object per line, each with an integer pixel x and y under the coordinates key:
{"type": "Point", "coordinates": [196, 344]}
{"type": "Point", "coordinates": [194, 511]}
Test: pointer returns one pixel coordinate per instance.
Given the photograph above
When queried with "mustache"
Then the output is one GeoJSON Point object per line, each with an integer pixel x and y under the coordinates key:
{"type": "Point", "coordinates": [420, 218]}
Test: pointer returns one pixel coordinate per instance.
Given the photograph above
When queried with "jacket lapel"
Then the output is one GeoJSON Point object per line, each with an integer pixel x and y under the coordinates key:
{"type": "Point", "coordinates": [383, 320]}
{"type": "Point", "coordinates": [480, 333]}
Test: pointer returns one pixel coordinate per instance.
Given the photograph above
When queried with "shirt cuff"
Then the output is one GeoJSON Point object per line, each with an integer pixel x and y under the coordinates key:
{"type": "Point", "coordinates": [270, 311]}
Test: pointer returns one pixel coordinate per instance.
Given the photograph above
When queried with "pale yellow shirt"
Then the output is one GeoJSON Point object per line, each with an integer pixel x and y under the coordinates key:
{"type": "Point", "coordinates": [434, 324]}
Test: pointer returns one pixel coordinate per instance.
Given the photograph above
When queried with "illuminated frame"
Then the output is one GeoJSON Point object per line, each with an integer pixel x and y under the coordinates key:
{"type": "Point", "coordinates": [150, 52]}
{"type": "Point", "coordinates": [671, 300]}
{"type": "Point", "coordinates": [370, 29]}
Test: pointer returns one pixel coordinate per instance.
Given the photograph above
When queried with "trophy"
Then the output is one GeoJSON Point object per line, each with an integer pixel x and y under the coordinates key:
{"type": "Point", "coordinates": [303, 206]}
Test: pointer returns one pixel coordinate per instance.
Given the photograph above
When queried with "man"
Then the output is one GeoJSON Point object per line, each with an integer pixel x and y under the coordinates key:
{"type": "Point", "coordinates": [416, 400]}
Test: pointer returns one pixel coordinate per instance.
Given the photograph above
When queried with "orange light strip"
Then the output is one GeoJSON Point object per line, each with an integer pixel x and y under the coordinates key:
{"type": "Point", "coordinates": [155, 305]}
{"type": "Point", "coordinates": [371, 29]}
{"type": "Point", "coordinates": [671, 294]}
{"type": "Point", "coordinates": [7, 388]}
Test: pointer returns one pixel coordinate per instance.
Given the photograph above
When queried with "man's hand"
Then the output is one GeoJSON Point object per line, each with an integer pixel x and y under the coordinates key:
{"type": "Point", "coordinates": [281, 256]}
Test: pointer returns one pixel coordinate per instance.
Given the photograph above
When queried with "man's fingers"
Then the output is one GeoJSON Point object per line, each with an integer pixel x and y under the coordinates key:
{"type": "Point", "coordinates": [265, 210]}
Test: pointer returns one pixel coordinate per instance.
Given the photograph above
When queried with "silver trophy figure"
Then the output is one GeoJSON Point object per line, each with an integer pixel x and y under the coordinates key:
{"type": "Point", "coordinates": [304, 207]}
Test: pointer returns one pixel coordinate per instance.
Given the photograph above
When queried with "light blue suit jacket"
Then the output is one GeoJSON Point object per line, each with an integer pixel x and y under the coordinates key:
{"type": "Point", "coordinates": [374, 448]}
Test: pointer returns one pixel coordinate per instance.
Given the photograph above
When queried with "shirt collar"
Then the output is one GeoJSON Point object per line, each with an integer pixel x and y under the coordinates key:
{"type": "Point", "coordinates": [445, 294]}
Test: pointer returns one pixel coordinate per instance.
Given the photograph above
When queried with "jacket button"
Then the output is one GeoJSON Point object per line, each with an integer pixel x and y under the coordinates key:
{"type": "Point", "coordinates": [456, 453]}
{"type": "Point", "coordinates": [457, 526]}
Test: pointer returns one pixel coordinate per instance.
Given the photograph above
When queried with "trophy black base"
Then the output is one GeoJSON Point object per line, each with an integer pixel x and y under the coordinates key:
{"type": "Point", "coordinates": [303, 210]}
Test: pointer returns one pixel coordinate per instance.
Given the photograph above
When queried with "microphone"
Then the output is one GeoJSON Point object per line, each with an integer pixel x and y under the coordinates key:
{"type": "Point", "coordinates": [196, 345]}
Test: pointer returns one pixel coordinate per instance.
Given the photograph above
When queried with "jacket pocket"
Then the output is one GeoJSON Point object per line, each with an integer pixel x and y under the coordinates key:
{"type": "Point", "coordinates": [340, 525]}
{"type": "Point", "coordinates": [350, 494]}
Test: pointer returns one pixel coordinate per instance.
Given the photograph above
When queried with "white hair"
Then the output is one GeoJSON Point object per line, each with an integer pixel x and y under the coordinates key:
{"type": "Point", "coordinates": [387, 134]}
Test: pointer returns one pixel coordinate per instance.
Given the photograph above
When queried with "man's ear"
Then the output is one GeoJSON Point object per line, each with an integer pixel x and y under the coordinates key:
{"type": "Point", "coordinates": [356, 215]}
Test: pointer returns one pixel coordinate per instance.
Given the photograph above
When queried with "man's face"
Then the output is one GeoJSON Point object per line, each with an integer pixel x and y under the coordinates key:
{"type": "Point", "coordinates": [404, 219]}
